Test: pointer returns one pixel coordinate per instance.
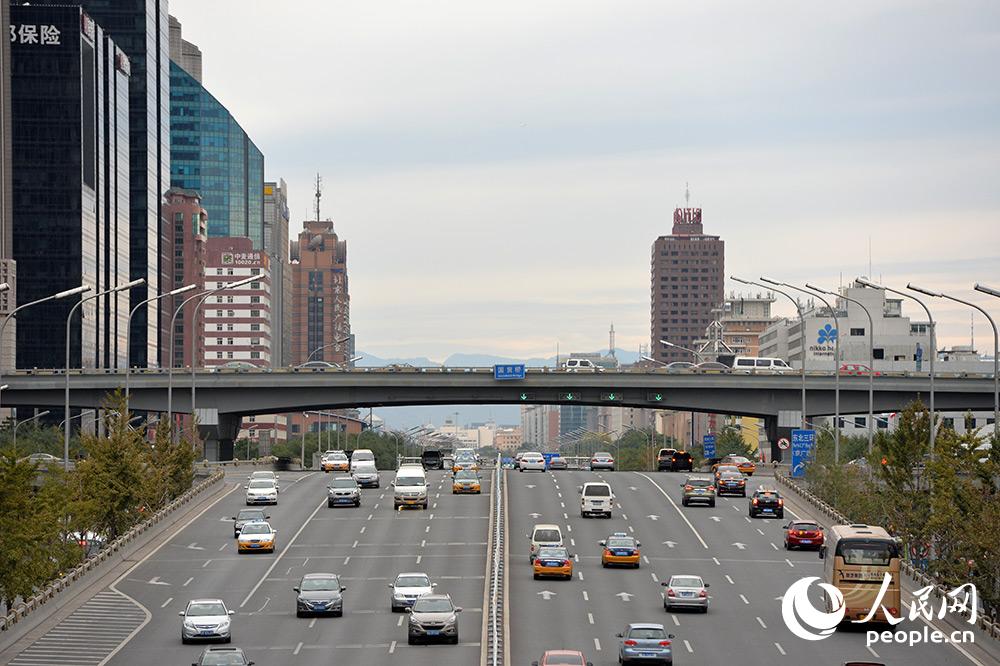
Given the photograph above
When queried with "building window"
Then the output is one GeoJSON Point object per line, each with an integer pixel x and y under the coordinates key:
{"type": "Point", "coordinates": [255, 299]}
{"type": "Point", "coordinates": [218, 341]}
{"type": "Point", "coordinates": [970, 423]}
{"type": "Point", "coordinates": [229, 271]}
{"type": "Point", "coordinates": [255, 341]}
{"type": "Point", "coordinates": [229, 354]}
{"type": "Point", "coordinates": [218, 299]}
{"type": "Point", "coordinates": [254, 327]}
{"type": "Point", "coordinates": [218, 313]}
{"type": "Point", "coordinates": [218, 285]}
{"type": "Point", "coordinates": [229, 341]}
{"type": "Point", "coordinates": [255, 354]}
{"type": "Point", "coordinates": [857, 331]}
{"type": "Point", "coordinates": [255, 285]}
{"type": "Point", "coordinates": [878, 353]}
{"type": "Point", "coordinates": [218, 354]}
{"type": "Point", "coordinates": [231, 313]}
{"type": "Point", "coordinates": [218, 271]}
{"type": "Point", "coordinates": [948, 422]}
{"type": "Point", "coordinates": [218, 327]}
{"type": "Point", "coordinates": [229, 327]}
{"type": "Point", "coordinates": [229, 299]}
{"type": "Point", "coordinates": [254, 271]}
{"type": "Point", "coordinates": [860, 421]}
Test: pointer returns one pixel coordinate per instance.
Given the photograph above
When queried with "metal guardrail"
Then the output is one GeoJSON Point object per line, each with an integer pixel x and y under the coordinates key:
{"type": "Point", "coordinates": [254, 462]}
{"type": "Point", "coordinates": [495, 644]}
{"type": "Point", "coordinates": [990, 626]}
{"type": "Point", "coordinates": [74, 574]}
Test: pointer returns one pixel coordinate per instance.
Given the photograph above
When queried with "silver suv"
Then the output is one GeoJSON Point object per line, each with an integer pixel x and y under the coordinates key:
{"type": "Point", "coordinates": [407, 588]}
{"type": "Point", "coordinates": [433, 616]}
{"type": "Point", "coordinates": [343, 491]}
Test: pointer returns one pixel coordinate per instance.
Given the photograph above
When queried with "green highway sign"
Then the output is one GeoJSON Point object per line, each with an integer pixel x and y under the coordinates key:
{"type": "Point", "coordinates": [569, 396]}
{"type": "Point", "coordinates": [612, 397]}
{"type": "Point", "coordinates": [527, 396]}
{"type": "Point", "coordinates": [655, 397]}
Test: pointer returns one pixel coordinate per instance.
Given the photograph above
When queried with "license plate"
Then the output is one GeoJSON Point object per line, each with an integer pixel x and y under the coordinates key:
{"type": "Point", "coordinates": [805, 541]}
{"type": "Point", "coordinates": [646, 655]}
{"type": "Point", "coordinates": [622, 553]}
{"type": "Point", "coordinates": [687, 594]}
{"type": "Point", "coordinates": [207, 632]}
{"type": "Point", "coordinates": [700, 492]}
{"type": "Point", "coordinates": [433, 632]}
{"type": "Point", "coordinates": [768, 510]}
{"type": "Point", "coordinates": [255, 545]}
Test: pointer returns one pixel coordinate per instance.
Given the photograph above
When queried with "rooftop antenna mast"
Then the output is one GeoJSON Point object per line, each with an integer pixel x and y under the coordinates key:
{"type": "Point", "coordinates": [687, 195]}
{"type": "Point", "coordinates": [611, 340]}
{"type": "Point", "coordinates": [319, 193]}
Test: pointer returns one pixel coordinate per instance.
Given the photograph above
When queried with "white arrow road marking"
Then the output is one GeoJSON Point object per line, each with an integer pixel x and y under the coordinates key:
{"type": "Point", "coordinates": [530, 485]}
{"type": "Point", "coordinates": [653, 517]}
{"type": "Point", "coordinates": [670, 544]}
{"type": "Point", "coordinates": [625, 596]}
{"type": "Point", "coordinates": [194, 546]}
{"type": "Point", "coordinates": [716, 518]}
{"type": "Point", "coordinates": [741, 546]}
{"type": "Point", "coordinates": [632, 488]}
{"type": "Point", "coordinates": [545, 594]}
{"type": "Point", "coordinates": [155, 580]}
{"type": "Point", "coordinates": [535, 515]}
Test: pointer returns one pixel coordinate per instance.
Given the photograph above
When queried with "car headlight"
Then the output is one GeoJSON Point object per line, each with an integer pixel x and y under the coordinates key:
{"type": "Point", "coordinates": [451, 621]}
{"type": "Point", "coordinates": [188, 624]}
{"type": "Point", "coordinates": [224, 624]}
{"type": "Point", "coordinates": [399, 596]}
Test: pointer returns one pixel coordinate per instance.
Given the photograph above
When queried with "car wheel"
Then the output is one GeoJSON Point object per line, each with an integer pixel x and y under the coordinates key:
{"type": "Point", "coordinates": [704, 609]}
{"type": "Point", "coordinates": [454, 639]}
{"type": "Point", "coordinates": [329, 505]}
{"type": "Point", "coordinates": [229, 639]}
{"type": "Point", "coordinates": [394, 609]}
{"type": "Point", "coordinates": [788, 546]}
{"type": "Point", "coordinates": [395, 507]}
{"type": "Point", "coordinates": [299, 613]}
{"type": "Point", "coordinates": [411, 640]}
{"type": "Point", "coordinates": [357, 504]}
{"type": "Point", "coordinates": [684, 502]}
{"type": "Point", "coordinates": [339, 613]}
{"type": "Point", "coordinates": [712, 503]}
{"type": "Point", "coordinates": [535, 576]}
{"type": "Point", "coordinates": [781, 514]}
{"type": "Point", "coordinates": [425, 506]}
{"type": "Point", "coordinates": [635, 566]}
{"type": "Point", "coordinates": [184, 641]}
{"type": "Point", "coordinates": [666, 607]}
{"type": "Point", "coordinates": [604, 564]}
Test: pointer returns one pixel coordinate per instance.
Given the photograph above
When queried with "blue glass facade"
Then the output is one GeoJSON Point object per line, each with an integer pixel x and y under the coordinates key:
{"type": "Point", "coordinates": [70, 159]}
{"type": "Point", "coordinates": [212, 155]}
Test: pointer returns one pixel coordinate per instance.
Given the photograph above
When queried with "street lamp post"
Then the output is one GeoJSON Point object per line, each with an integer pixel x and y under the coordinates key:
{"type": "Point", "coordinates": [868, 283]}
{"type": "Point", "coordinates": [996, 340]}
{"type": "Point", "coordinates": [69, 321]}
{"type": "Point", "coordinates": [836, 362]}
{"type": "Point", "coordinates": [697, 359]}
{"type": "Point", "coordinates": [54, 297]}
{"type": "Point", "coordinates": [802, 334]}
{"type": "Point", "coordinates": [642, 432]}
{"type": "Point", "coordinates": [128, 331]}
{"type": "Point", "coordinates": [20, 423]}
{"type": "Point", "coordinates": [871, 360]}
{"type": "Point", "coordinates": [321, 348]}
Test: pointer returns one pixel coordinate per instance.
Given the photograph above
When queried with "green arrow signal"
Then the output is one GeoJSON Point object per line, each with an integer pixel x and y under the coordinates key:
{"type": "Point", "coordinates": [524, 396]}
{"type": "Point", "coordinates": [658, 397]}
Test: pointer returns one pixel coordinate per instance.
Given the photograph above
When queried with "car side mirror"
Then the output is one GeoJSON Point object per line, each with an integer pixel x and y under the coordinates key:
{"type": "Point", "coordinates": [664, 584]}
{"type": "Point", "coordinates": [670, 636]}
{"type": "Point", "coordinates": [579, 489]}
{"type": "Point", "coordinates": [619, 635]}
{"type": "Point", "coordinates": [458, 609]}
{"type": "Point", "coordinates": [391, 585]}
{"type": "Point", "coordinates": [707, 585]}
{"type": "Point", "coordinates": [233, 518]}
{"type": "Point", "coordinates": [409, 610]}
{"type": "Point", "coordinates": [232, 612]}
{"type": "Point", "coordinates": [638, 544]}
{"type": "Point", "coordinates": [343, 587]}
{"type": "Point", "coordinates": [534, 663]}
{"type": "Point", "coordinates": [246, 487]}
{"type": "Point", "coordinates": [181, 613]}
{"type": "Point", "coordinates": [296, 589]}
{"type": "Point", "coordinates": [434, 584]}
{"type": "Point", "coordinates": [602, 543]}
{"type": "Point", "coordinates": [590, 663]}
{"type": "Point", "coordinates": [267, 517]}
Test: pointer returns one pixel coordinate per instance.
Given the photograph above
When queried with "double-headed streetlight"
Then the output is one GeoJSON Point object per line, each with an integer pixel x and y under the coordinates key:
{"type": "Point", "coordinates": [54, 297]}
{"type": "Point", "coordinates": [933, 342]}
{"type": "Point", "coordinates": [871, 359]}
{"type": "Point", "coordinates": [69, 321]}
{"type": "Point", "coordinates": [802, 334]}
{"type": "Point", "coordinates": [18, 424]}
{"type": "Point", "coordinates": [836, 360]}
{"type": "Point", "coordinates": [996, 338]}
{"type": "Point", "coordinates": [194, 338]}
{"type": "Point", "coordinates": [128, 331]}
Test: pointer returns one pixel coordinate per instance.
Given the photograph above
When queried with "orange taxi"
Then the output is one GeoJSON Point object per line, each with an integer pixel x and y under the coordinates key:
{"type": "Point", "coordinates": [620, 550]}
{"type": "Point", "coordinates": [553, 561]}
{"type": "Point", "coordinates": [335, 461]}
{"type": "Point", "coordinates": [466, 481]}
{"type": "Point", "coordinates": [745, 465]}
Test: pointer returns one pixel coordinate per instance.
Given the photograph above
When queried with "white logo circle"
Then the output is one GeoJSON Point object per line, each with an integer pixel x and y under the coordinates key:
{"type": "Point", "coordinates": [795, 605]}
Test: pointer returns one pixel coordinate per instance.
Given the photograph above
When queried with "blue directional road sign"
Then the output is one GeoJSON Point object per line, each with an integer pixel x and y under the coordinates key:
{"type": "Point", "coordinates": [708, 446]}
{"type": "Point", "coordinates": [803, 442]}
{"type": "Point", "coordinates": [508, 371]}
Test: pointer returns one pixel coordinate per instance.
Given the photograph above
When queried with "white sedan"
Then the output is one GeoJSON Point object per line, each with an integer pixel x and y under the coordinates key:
{"type": "Point", "coordinates": [532, 461]}
{"type": "Point", "coordinates": [261, 491]}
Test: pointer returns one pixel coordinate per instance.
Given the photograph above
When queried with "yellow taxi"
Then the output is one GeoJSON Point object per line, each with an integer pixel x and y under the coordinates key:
{"type": "Point", "coordinates": [335, 461]}
{"type": "Point", "coordinates": [620, 550]}
{"type": "Point", "coordinates": [465, 463]}
{"type": "Point", "coordinates": [256, 537]}
{"type": "Point", "coordinates": [553, 561]}
{"type": "Point", "coordinates": [466, 481]}
{"type": "Point", "coordinates": [744, 464]}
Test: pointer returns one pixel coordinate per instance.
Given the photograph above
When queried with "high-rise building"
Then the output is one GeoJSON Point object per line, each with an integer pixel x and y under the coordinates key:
{"type": "Point", "coordinates": [688, 269]}
{"type": "Point", "coordinates": [8, 270]}
{"type": "Point", "coordinates": [743, 319]}
{"type": "Point", "coordinates": [183, 52]}
{"type": "Point", "coordinates": [71, 184]}
{"type": "Point", "coordinates": [212, 155]}
{"type": "Point", "coordinates": [321, 318]}
{"type": "Point", "coordinates": [139, 28]}
{"type": "Point", "coordinates": [237, 323]}
{"type": "Point", "coordinates": [187, 225]}
{"type": "Point", "coordinates": [276, 220]}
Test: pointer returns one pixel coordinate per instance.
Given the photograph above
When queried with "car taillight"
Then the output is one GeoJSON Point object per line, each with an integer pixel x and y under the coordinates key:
{"type": "Point", "coordinates": [565, 563]}
{"type": "Point", "coordinates": [630, 643]}
{"type": "Point", "coordinates": [781, 502]}
{"type": "Point", "coordinates": [670, 593]}
{"type": "Point", "coordinates": [703, 593]}
{"type": "Point", "coordinates": [755, 501]}
{"type": "Point", "coordinates": [664, 643]}
{"type": "Point", "coordinates": [688, 487]}
{"type": "Point", "coordinates": [711, 487]}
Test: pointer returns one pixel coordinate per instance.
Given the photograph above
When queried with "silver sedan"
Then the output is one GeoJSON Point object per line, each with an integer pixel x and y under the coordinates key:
{"type": "Point", "coordinates": [685, 592]}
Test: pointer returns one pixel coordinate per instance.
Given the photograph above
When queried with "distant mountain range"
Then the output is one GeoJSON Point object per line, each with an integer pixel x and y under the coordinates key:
{"type": "Point", "coordinates": [407, 417]}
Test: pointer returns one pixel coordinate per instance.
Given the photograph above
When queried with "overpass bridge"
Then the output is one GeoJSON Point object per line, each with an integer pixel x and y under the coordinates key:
{"type": "Point", "coordinates": [224, 397]}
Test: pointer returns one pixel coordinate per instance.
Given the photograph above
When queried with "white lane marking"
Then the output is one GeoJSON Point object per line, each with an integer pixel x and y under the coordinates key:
{"type": "Point", "coordinates": [872, 650]}
{"type": "Point", "coordinates": [631, 529]}
{"type": "Point", "coordinates": [428, 529]}
{"type": "Point", "coordinates": [434, 506]}
{"type": "Point", "coordinates": [423, 542]}
{"type": "Point", "coordinates": [590, 618]}
{"type": "Point", "coordinates": [363, 529]}
{"type": "Point", "coordinates": [369, 516]}
{"type": "Point", "coordinates": [773, 546]}
{"type": "Point", "coordinates": [569, 528]}
{"type": "Point", "coordinates": [730, 580]}
{"type": "Point", "coordinates": [789, 562]}
{"type": "Point", "coordinates": [207, 562]}
{"type": "Point", "coordinates": [375, 508]}
{"type": "Point", "coordinates": [355, 545]}
{"type": "Point", "coordinates": [579, 575]}
{"type": "Point", "coordinates": [572, 542]}
{"type": "Point", "coordinates": [782, 650]}
{"type": "Point", "coordinates": [222, 547]}
{"type": "Point", "coordinates": [747, 518]}
{"type": "Point", "coordinates": [297, 648]}
{"type": "Point", "coordinates": [623, 515]}
{"type": "Point", "coordinates": [188, 581]}
{"type": "Point", "coordinates": [597, 644]}
{"type": "Point", "coordinates": [431, 517]}
{"type": "Point", "coordinates": [560, 494]}
{"type": "Point", "coordinates": [761, 622]}
{"type": "Point", "coordinates": [677, 622]}
{"type": "Point", "coordinates": [562, 504]}
{"type": "Point", "coordinates": [382, 496]}
{"type": "Point", "coordinates": [565, 516]}
{"type": "Point", "coordinates": [688, 646]}
{"type": "Point", "coordinates": [760, 531]}
{"type": "Point", "coordinates": [586, 597]}
{"type": "Point", "coordinates": [312, 623]}
{"type": "Point", "coordinates": [166, 603]}
{"type": "Point", "coordinates": [282, 553]}
{"type": "Point", "coordinates": [346, 560]}
{"type": "Point", "coordinates": [392, 646]}
{"type": "Point", "coordinates": [305, 561]}
{"type": "Point", "coordinates": [716, 560]}
{"type": "Point", "coordinates": [653, 576]}
{"type": "Point", "coordinates": [645, 559]}
{"type": "Point", "coordinates": [400, 623]}
{"type": "Point", "coordinates": [953, 644]}
{"type": "Point", "coordinates": [576, 557]}
{"type": "Point", "coordinates": [797, 516]}
{"type": "Point", "coordinates": [745, 600]}
{"type": "Point", "coordinates": [418, 558]}
{"type": "Point", "coordinates": [676, 508]}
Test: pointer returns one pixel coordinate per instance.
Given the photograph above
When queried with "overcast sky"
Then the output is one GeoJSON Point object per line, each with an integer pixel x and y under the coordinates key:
{"type": "Point", "coordinates": [500, 170]}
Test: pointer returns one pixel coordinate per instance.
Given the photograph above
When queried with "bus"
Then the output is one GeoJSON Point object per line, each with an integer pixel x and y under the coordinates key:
{"type": "Point", "coordinates": [856, 559]}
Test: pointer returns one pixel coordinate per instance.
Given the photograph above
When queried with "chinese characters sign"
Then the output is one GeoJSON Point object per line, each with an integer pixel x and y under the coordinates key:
{"type": "Point", "coordinates": [43, 35]}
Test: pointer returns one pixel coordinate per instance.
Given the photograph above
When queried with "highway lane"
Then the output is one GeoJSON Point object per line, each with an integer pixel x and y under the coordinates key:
{"type": "Point", "coordinates": [744, 562]}
{"type": "Point", "coordinates": [367, 546]}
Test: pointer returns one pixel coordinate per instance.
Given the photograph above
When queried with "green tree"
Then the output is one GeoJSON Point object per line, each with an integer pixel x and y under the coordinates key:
{"type": "Point", "coordinates": [172, 467]}
{"type": "Point", "coordinates": [729, 441]}
{"type": "Point", "coordinates": [22, 545]}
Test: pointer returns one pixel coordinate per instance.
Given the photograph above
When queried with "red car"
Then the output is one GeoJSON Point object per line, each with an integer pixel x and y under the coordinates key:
{"type": "Point", "coordinates": [562, 658]}
{"type": "Point", "coordinates": [857, 369]}
{"type": "Point", "coordinates": [803, 534]}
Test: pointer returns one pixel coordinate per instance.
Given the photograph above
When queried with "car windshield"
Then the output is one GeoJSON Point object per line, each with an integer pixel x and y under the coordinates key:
{"type": "Point", "coordinates": [547, 535]}
{"type": "Point", "coordinates": [262, 475]}
{"type": "Point", "coordinates": [261, 483]}
{"type": "Point", "coordinates": [699, 483]}
{"type": "Point", "coordinates": [409, 481]}
{"type": "Point", "coordinates": [250, 515]}
{"type": "Point", "coordinates": [805, 526]}
{"type": "Point", "coordinates": [337, 455]}
{"type": "Point", "coordinates": [206, 608]}
{"type": "Point", "coordinates": [424, 605]}
{"type": "Point", "coordinates": [342, 483]}
{"type": "Point", "coordinates": [363, 455]}
{"type": "Point", "coordinates": [466, 476]}
{"type": "Point", "coordinates": [602, 454]}
{"type": "Point", "coordinates": [413, 581]}
{"type": "Point", "coordinates": [620, 542]}
{"type": "Point", "coordinates": [227, 658]}
{"type": "Point", "coordinates": [554, 553]}
{"type": "Point", "coordinates": [597, 491]}
{"type": "Point", "coordinates": [682, 455]}
{"type": "Point", "coordinates": [737, 460]}
{"type": "Point", "coordinates": [648, 634]}
{"type": "Point", "coordinates": [767, 496]}
{"type": "Point", "coordinates": [364, 468]}
{"type": "Point", "coordinates": [320, 584]}
{"type": "Point", "coordinates": [685, 581]}
{"type": "Point", "coordinates": [255, 528]}
{"type": "Point", "coordinates": [731, 475]}
{"type": "Point", "coordinates": [564, 660]}
{"type": "Point", "coordinates": [867, 553]}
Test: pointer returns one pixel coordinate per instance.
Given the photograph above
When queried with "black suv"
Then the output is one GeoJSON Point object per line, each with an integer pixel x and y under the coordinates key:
{"type": "Point", "coordinates": [664, 459]}
{"type": "Point", "coordinates": [681, 461]}
{"type": "Point", "coordinates": [767, 502]}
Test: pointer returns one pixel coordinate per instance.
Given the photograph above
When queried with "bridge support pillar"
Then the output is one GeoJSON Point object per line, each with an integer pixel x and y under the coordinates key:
{"type": "Point", "coordinates": [218, 432]}
{"type": "Point", "coordinates": [771, 430]}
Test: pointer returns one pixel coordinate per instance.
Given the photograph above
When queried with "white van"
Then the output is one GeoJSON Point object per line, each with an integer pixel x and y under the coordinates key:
{"type": "Point", "coordinates": [410, 487]}
{"type": "Point", "coordinates": [543, 535]}
{"type": "Point", "coordinates": [761, 364]}
{"type": "Point", "coordinates": [574, 364]}
{"type": "Point", "coordinates": [362, 456]}
{"type": "Point", "coordinates": [596, 499]}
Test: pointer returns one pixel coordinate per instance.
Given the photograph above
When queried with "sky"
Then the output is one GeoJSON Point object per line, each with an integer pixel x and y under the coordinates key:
{"type": "Point", "coordinates": [501, 170]}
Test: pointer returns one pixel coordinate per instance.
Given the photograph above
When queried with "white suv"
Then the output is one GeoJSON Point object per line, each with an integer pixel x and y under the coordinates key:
{"type": "Point", "coordinates": [574, 364]}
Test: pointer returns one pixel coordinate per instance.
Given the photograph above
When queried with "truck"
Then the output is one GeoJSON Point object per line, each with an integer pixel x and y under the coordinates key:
{"type": "Point", "coordinates": [431, 459]}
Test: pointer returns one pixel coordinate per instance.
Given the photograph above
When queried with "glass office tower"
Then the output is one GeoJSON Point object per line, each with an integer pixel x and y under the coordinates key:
{"type": "Point", "coordinates": [70, 163]}
{"type": "Point", "coordinates": [212, 155]}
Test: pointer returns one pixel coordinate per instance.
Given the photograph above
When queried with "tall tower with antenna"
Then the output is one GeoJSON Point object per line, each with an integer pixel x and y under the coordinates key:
{"type": "Point", "coordinates": [611, 340]}
{"type": "Point", "coordinates": [319, 193]}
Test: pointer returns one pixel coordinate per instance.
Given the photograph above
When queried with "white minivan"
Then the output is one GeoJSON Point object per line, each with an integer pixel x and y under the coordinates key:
{"type": "Point", "coordinates": [362, 456]}
{"type": "Point", "coordinates": [574, 364]}
{"type": "Point", "coordinates": [761, 364]}
{"type": "Point", "coordinates": [543, 535]}
{"type": "Point", "coordinates": [596, 499]}
{"type": "Point", "coordinates": [410, 487]}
